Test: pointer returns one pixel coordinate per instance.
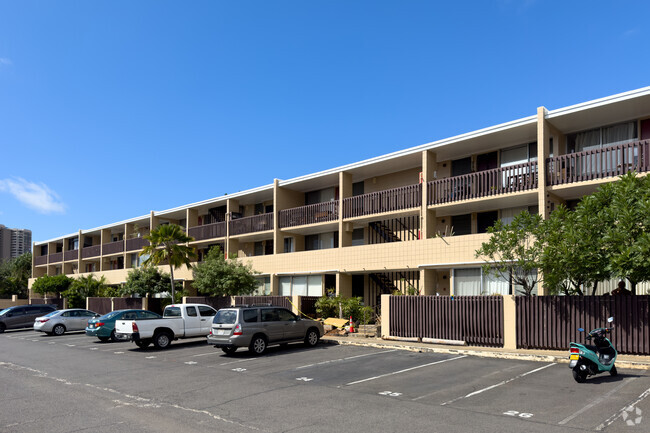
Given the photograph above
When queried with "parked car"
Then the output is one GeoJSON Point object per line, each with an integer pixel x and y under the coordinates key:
{"type": "Point", "coordinates": [257, 327]}
{"type": "Point", "coordinates": [178, 321]}
{"type": "Point", "coordinates": [22, 316]}
{"type": "Point", "coordinates": [60, 321]}
{"type": "Point", "coordinates": [103, 327]}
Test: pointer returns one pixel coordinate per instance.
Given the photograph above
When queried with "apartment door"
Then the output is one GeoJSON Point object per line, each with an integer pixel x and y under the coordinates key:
{"type": "Point", "coordinates": [487, 161]}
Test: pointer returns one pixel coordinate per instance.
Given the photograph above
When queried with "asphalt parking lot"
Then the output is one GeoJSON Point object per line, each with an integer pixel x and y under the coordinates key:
{"type": "Point", "coordinates": [75, 383]}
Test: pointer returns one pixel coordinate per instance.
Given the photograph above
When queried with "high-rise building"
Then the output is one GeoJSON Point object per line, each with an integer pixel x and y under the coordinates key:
{"type": "Point", "coordinates": [14, 242]}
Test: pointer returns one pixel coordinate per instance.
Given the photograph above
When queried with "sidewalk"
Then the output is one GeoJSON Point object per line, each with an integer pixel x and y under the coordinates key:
{"type": "Point", "coordinates": [622, 361]}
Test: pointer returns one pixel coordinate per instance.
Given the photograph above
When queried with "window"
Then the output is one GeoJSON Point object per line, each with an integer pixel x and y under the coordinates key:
{"type": "Point", "coordinates": [206, 311]}
{"type": "Point", "coordinates": [225, 317]}
{"type": "Point", "coordinates": [600, 137]}
{"type": "Point", "coordinates": [172, 312]}
{"type": "Point", "coordinates": [320, 196]}
{"type": "Point", "coordinates": [475, 282]}
{"type": "Point", "coordinates": [258, 249]}
{"type": "Point", "coordinates": [485, 220]}
{"type": "Point", "coordinates": [270, 315]}
{"type": "Point", "coordinates": [462, 224]}
{"type": "Point", "coordinates": [263, 286]}
{"type": "Point", "coordinates": [322, 241]}
{"type": "Point", "coordinates": [250, 316]}
{"type": "Point", "coordinates": [285, 315]}
{"type": "Point", "coordinates": [358, 237]}
{"type": "Point", "coordinates": [191, 311]}
{"type": "Point", "coordinates": [147, 315]}
{"type": "Point", "coordinates": [311, 285]}
{"type": "Point", "coordinates": [289, 245]}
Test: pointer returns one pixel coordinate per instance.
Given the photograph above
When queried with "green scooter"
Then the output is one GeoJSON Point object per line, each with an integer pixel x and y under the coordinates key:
{"type": "Point", "coordinates": [588, 360]}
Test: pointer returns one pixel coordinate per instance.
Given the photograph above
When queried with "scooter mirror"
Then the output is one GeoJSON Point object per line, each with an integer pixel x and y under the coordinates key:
{"type": "Point", "coordinates": [581, 330]}
{"type": "Point", "coordinates": [610, 320]}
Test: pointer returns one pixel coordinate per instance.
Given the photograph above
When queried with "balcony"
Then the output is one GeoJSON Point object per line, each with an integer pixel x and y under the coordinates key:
{"type": "Point", "coordinates": [251, 224]}
{"type": "Point", "coordinates": [503, 180]}
{"type": "Point", "coordinates": [113, 247]}
{"type": "Point", "coordinates": [40, 260]}
{"type": "Point", "coordinates": [136, 244]}
{"type": "Point", "coordinates": [93, 251]}
{"type": "Point", "coordinates": [599, 163]}
{"type": "Point", "coordinates": [310, 214]}
{"type": "Point", "coordinates": [389, 200]}
{"type": "Point", "coordinates": [71, 255]}
{"type": "Point", "coordinates": [208, 231]}
{"type": "Point", "coordinates": [56, 257]}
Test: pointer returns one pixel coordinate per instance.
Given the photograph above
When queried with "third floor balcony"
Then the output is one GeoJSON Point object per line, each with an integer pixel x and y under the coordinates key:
{"type": "Point", "coordinates": [390, 200]}
{"type": "Point", "coordinates": [251, 224]}
{"type": "Point", "coordinates": [309, 214]}
{"type": "Point", "coordinates": [208, 231]}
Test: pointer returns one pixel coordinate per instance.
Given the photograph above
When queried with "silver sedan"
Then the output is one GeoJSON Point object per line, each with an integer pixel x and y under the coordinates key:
{"type": "Point", "coordinates": [60, 321]}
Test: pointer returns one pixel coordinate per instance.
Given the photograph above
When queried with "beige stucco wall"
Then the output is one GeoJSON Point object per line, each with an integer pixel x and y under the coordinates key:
{"type": "Point", "coordinates": [392, 180]}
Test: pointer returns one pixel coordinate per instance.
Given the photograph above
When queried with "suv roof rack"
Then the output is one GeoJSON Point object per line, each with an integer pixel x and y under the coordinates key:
{"type": "Point", "coordinates": [268, 304]}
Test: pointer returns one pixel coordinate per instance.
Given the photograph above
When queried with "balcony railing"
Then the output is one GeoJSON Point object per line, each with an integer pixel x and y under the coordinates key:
{"type": "Point", "coordinates": [71, 255]}
{"type": "Point", "coordinates": [113, 247]}
{"type": "Point", "coordinates": [93, 251]}
{"type": "Point", "coordinates": [599, 163]}
{"type": "Point", "coordinates": [503, 180]}
{"type": "Point", "coordinates": [310, 214]}
{"type": "Point", "coordinates": [405, 197]}
{"type": "Point", "coordinates": [208, 231]}
{"type": "Point", "coordinates": [251, 224]}
{"type": "Point", "coordinates": [40, 260]}
{"type": "Point", "coordinates": [136, 244]}
{"type": "Point", "coordinates": [56, 257]}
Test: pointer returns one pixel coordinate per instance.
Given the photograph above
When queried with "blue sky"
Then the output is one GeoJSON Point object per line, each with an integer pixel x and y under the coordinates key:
{"type": "Point", "coordinates": [111, 109]}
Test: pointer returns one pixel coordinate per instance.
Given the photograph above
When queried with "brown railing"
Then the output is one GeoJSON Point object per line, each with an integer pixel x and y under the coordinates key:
{"type": "Point", "coordinates": [40, 260]}
{"type": "Point", "coordinates": [552, 322]}
{"type": "Point", "coordinates": [503, 180]}
{"type": "Point", "coordinates": [71, 255]}
{"type": "Point", "coordinates": [56, 257]}
{"type": "Point", "coordinates": [208, 231]}
{"type": "Point", "coordinates": [477, 320]}
{"type": "Point", "coordinates": [113, 247]}
{"type": "Point", "coordinates": [136, 244]}
{"type": "Point", "coordinates": [216, 302]}
{"type": "Point", "coordinates": [251, 224]}
{"type": "Point", "coordinates": [310, 214]}
{"type": "Point", "coordinates": [405, 197]}
{"type": "Point", "coordinates": [93, 251]}
{"type": "Point", "coordinates": [599, 163]}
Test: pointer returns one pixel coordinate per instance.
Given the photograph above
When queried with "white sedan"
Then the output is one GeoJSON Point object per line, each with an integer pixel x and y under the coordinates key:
{"type": "Point", "coordinates": [60, 321]}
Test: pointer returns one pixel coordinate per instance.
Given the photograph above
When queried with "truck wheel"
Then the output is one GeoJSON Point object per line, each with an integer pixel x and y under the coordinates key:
{"type": "Point", "coordinates": [162, 340]}
{"type": "Point", "coordinates": [258, 345]}
{"type": "Point", "coordinates": [142, 344]}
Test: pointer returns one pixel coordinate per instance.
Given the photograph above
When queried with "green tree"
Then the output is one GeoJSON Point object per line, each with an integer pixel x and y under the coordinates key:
{"type": "Point", "coordinates": [166, 245]}
{"type": "Point", "coordinates": [141, 281]}
{"type": "Point", "coordinates": [514, 251]}
{"type": "Point", "coordinates": [14, 276]}
{"type": "Point", "coordinates": [218, 276]}
{"type": "Point", "coordinates": [55, 284]}
{"type": "Point", "coordinates": [82, 288]}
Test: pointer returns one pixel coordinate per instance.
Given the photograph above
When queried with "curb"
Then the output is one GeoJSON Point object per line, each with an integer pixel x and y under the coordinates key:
{"type": "Point", "coordinates": [479, 353]}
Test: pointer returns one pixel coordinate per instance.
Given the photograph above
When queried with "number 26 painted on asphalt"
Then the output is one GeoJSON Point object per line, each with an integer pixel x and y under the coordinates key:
{"type": "Point", "coordinates": [519, 414]}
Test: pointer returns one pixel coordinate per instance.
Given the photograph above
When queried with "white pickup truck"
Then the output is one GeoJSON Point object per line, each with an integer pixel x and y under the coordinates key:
{"type": "Point", "coordinates": [178, 321]}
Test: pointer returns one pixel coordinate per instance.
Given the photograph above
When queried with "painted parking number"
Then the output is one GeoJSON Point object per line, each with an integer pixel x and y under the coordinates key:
{"type": "Point", "coordinates": [519, 414]}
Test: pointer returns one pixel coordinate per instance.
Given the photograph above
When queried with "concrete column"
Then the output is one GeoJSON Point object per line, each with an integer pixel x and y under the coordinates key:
{"type": "Point", "coordinates": [543, 135]}
{"type": "Point", "coordinates": [278, 238]}
{"type": "Point", "coordinates": [145, 302]}
{"type": "Point", "coordinates": [295, 304]}
{"type": "Point", "coordinates": [429, 173]}
{"type": "Point", "coordinates": [509, 322]}
{"type": "Point", "coordinates": [153, 221]}
{"type": "Point", "coordinates": [344, 285]}
{"type": "Point", "coordinates": [81, 247]}
{"type": "Point", "coordinates": [187, 285]}
{"type": "Point", "coordinates": [385, 316]}
{"type": "Point", "coordinates": [192, 218]}
{"type": "Point", "coordinates": [275, 285]}
{"type": "Point", "coordinates": [428, 280]}
{"type": "Point", "coordinates": [345, 191]}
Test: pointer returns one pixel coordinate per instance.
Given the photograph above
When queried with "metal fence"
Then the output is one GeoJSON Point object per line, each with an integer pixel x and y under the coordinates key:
{"type": "Point", "coordinates": [477, 320]}
{"type": "Point", "coordinates": [100, 305]}
{"type": "Point", "coordinates": [552, 322]}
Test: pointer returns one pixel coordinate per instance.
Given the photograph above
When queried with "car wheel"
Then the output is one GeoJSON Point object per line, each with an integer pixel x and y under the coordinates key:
{"type": "Point", "coordinates": [104, 339]}
{"type": "Point", "coordinates": [312, 337]}
{"type": "Point", "coordinates": [58, 330]}
{"type": "Point", "coordinates": [2, 328]}
{"type": "Point", "coordinates": [613, 371]}
{"type": "Point", "coordinates": [579, 375]}
{"type": "Point", "coordinates": [229, 350]}
{"type": "Point", "coordinates": [162, 340]}
{"type": "Point", "coordinates": [258, 345]}
{"type": "Point", "coordinates": [142, 344]}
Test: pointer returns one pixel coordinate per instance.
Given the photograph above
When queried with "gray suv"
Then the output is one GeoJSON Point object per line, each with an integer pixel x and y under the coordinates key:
{"type": "Point", "coordinates": [22, 316]}
{"type": "Point", "coordinates": [257, 327]}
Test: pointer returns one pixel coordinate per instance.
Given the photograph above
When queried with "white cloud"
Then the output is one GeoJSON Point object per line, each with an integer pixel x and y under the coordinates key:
{"type": "Point", "coordinates": [5, 61]}
{"type": "Point", "coordinates": [36, 196]}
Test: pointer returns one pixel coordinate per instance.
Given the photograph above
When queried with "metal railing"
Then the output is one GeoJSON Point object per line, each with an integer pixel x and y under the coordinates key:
{"type": "Point", "coordinates": [251, 224]}
{"type": "Point", "coordinates": [395, 199]}
{"type": "Point", "coordinates": [599, 163]}
{"type": "Point", "coordinates": [71, 255]}
{"type": "Point", "coordinates": [503, 180]}
{"type": "Point", "coordinates": [55, 257]}
{"type": "Point", "coordinates": [93, 251]}
{"type": "Point", "coordinates": [136, 244]}
{"type": "Point", "coordinates": [40, 260]}
{"type": "Point", "coordinates": [310, 214]}
{"type": "Point", "coordinates": [208, 231]}
{"type": "Point", "coordinates": [113, 247]}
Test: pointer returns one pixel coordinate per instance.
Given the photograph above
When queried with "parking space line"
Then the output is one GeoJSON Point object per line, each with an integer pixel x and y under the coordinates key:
{"type": "Point", "coordinates": [597, 401]}
{"type": "Point", "coordinates": [497, 384]}
{"type": "Point", "coordinates": [345, 359]}
{"type": "Point", "coordinates": [238, 361]}
{"type": "Point", "coordinates": [405, 370]}
{"type": "Point", "coordinates": [205, 354]}
{"type": "Point", "coordinates": [618, 414]}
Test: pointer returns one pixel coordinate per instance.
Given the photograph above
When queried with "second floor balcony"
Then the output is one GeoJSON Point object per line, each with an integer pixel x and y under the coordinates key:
{"type": "Point", "coordinates": [503, 180]}
{"type": "Point", "coordinates": [92, 251]}
{"type": "Point", "coordinates": [71, 255]}
{"type": "Point", "coordinates": [251, 224]}
{"type": "Point", "coordinates": [56, 257]}
{"type": "Point", "coordinates": [208, 231]}
{"type": "Point", "coordinates": [40, 260]}
{"type": "Point", "coordinates": [310, 214]}
{"type": "Point", "coordinates": [135, 244]}
{"type": "Point", "coordinates": [113, 247]}
{"type": "Point", "coordinates": [390, 200]}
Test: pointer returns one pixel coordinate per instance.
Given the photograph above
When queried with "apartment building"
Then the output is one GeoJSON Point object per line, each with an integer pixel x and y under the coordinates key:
{"type": "Point", "coordinates": [409, 221]}
{"type": "Point", "coordinates": [14, 242]}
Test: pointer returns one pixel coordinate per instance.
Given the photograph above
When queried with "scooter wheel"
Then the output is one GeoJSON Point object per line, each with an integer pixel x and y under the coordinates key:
{"type": "Point", "coordinates": [579, 375]}
{"type": "Point", "coordinates": [613, 371]}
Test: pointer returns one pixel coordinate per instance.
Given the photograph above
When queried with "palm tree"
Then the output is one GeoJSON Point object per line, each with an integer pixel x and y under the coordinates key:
{"type": "Point", "coordinates": [167, 244]}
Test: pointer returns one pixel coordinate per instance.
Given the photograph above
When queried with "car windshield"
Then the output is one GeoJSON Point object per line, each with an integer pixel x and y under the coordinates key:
{"type": "Point", "coordinates": [3, 312]}
{"type": "Point", "coordinates": [225, 317]}
{"type": "Point", "coordinates": [109, 315]}
{"type": "Point", "coordinates": [172, 312]}
{"type": "Point", "coordinates": [53, 313]}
